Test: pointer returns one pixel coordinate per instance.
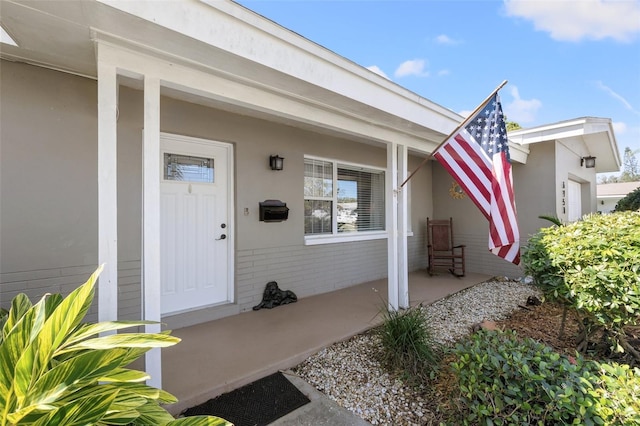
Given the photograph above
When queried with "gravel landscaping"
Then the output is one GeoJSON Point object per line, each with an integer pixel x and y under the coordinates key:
{"type": "Point", "coordinates": [350, 373]}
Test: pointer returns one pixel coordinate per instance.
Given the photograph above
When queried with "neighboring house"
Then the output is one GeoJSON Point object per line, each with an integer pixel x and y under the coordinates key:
{"type": "Point", "coordinates": [610, 193]}
{"type": "Point", "coordinates": [139, 135]}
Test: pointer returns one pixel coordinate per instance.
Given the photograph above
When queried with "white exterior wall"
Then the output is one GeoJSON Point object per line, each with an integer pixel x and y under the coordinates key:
{"type": "Point", "coordinates": [608, 205]}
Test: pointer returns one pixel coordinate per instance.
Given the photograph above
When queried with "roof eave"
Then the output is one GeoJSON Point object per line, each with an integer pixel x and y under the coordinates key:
{"type": "Point", "coordinates": [596, 133]}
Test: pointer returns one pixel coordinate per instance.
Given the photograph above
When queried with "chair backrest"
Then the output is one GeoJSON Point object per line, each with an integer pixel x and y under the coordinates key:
{"type": "Point", "coordinates": [440, 234]}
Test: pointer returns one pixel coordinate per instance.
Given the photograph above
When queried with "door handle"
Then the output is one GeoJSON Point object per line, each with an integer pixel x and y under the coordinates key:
{"type": "Point", "coordinates": [222, 237]}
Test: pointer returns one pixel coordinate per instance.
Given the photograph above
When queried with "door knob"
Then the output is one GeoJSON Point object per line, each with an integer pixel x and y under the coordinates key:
{"type": "Point", "coordinates": [222, 237]}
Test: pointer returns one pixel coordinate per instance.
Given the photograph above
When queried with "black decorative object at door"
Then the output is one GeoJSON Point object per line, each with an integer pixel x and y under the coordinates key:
{"type": "Point", "coordinates": [273, 297]}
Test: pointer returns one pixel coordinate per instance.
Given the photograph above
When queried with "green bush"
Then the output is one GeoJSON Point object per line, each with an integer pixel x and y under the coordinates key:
{"type": "Point", "coordinates": [618, 394]}
{"type": "Point", "coordinates": [408, 346]}
{"type": "Point", "coordinates": [630, 202]}
{"type": "Point", "coordinates": [55, 370]}
{"type": "Point", "coordinates": [504, 380]}
{"type": "Point", "coordinates": [593, 266]}
{"type": "Point", "coordinates": [538, 263]}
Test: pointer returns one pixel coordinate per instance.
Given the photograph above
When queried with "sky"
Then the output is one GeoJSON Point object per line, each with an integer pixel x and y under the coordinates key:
{"type": "Point", "coordinates": [563, 59]}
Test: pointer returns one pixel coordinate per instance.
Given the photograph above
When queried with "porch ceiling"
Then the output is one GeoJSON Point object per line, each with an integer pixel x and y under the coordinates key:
{"type": "Point", "coordinates": [225, 39]}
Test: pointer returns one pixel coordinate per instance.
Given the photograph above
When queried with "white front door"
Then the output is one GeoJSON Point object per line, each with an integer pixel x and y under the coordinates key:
{"type": "Point", "coordinates": [574, 212]}
{"type": "Point", "coordinates": [194, 241]}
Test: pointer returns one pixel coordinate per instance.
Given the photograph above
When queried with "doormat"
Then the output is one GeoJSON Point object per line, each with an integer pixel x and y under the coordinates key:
{"type": "Point", "coordinates": [256, 404]}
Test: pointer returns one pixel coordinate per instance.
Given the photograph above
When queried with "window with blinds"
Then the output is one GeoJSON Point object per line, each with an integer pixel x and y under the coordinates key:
{"type": "Point", "coordinates": [318, 197]}
{"type": "Point", "coordinates": [342, 198]}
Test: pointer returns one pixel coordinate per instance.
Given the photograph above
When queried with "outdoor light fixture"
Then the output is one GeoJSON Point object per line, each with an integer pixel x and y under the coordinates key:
{"type": "Point", "coordinates": [277, 163]}
{"type": "Point", "coordinates": [588, 162]}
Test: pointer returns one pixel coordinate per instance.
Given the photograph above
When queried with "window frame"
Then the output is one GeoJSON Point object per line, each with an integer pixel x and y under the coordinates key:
{"type": "Point", "coordinates": [341, 237]}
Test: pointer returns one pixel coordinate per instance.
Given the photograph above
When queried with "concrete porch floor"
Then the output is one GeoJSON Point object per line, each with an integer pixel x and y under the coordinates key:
{"type": "Point", "coordinates": [222, 355]}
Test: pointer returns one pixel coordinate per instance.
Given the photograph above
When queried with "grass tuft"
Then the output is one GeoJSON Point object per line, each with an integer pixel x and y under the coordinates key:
{"type": "Point", "coordinates": [408, 346]}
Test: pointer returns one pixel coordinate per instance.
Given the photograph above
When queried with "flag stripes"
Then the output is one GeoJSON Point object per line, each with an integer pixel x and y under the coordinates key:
{"type": "Point", "coordinates": [477, 157]}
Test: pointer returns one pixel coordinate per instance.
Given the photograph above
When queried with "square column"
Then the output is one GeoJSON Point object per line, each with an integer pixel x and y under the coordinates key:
{"type": "Point", "coordinates": [107, 192]}
{"type": "Point", "coordinates": [151, 224]}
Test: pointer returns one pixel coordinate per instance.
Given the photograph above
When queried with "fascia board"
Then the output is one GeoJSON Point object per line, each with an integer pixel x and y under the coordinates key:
{"type": "Point", "coordinates": [181, 77]}
{"type": "Point", "coordinates": [251, 36]}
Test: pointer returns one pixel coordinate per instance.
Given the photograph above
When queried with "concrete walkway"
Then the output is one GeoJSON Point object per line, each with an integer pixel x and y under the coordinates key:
{"type": "Point", "coordinates": [219, 356]}
{"type": "Point", "coordinates": [320, 411]}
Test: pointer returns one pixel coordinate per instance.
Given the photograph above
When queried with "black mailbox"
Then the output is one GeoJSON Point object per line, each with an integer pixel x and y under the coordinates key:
{"type": "Point", "coordinates": [273, 211]}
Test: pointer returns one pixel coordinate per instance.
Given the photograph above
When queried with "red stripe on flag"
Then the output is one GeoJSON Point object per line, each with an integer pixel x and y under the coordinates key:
{"type": "Point", "coordinates": [487, 181]}
{"type": "Point", "coordinates": [470, 170]}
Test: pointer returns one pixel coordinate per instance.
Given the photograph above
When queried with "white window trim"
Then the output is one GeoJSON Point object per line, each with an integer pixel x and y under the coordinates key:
{"type": "Point", "coordinates": [317, 239]}
{"type": "Point", "coordinates": [313, 240]}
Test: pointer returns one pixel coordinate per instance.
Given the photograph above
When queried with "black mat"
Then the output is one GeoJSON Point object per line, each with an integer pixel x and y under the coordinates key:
{"type": "Point", "coordinates": [256, 404]}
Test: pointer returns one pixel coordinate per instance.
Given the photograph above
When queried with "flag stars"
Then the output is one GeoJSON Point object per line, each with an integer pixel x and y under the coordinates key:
{"type": "Point", "coordinates": [488, 129]}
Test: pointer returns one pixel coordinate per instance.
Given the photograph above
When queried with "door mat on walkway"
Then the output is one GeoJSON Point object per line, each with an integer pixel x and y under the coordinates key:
{"type": "Point", "coordinates": [256, 404]}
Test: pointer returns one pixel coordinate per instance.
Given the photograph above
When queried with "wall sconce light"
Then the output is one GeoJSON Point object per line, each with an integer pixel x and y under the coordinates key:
{"type": "Point", "coordinates": [588, 162]}
{"type": "Point", "coordinates": [276, 162]}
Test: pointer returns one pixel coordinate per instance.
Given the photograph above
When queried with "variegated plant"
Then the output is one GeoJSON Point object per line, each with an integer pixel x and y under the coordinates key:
{"type": "Point", "coordinates": [57, 370]}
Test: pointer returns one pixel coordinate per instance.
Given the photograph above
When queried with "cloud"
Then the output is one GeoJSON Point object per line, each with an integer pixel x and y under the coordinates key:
{"type": "Point", "coordinates": [413, 67]}
{"type": "Point", "coordinates": [574, 20]}
{"type": "Point", "coordinates": [521, 110]}
{"type": "Point", "coordinates": [378, 71]}
{"type": "Point", "coordinates": [619, 127]}
{"type": "Point", "coordinates": [445, 39]}
{"type": "Point", "coordinates": [443, 72]}
{"type": "Point", "coordinates": [617, 96]}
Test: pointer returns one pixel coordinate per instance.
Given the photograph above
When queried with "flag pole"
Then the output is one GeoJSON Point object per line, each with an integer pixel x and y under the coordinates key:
{"type": "Point", "coordinates": [464, 122]}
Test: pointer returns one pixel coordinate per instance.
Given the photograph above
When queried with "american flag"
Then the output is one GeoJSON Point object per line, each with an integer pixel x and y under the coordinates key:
{"type": "Point", "coordinates": [477, 156]}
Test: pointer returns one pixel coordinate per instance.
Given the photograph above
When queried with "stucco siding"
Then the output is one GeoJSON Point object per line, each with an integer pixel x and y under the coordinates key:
{"type": "Point", "coordinates": [536, 189]}
{"type": "Point", "coordinates": [569, 168]}
{"type": "Point", "coordinates": [48, 178]}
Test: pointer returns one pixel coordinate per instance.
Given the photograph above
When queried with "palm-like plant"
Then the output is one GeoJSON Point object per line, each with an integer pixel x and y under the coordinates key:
{"type": "Point", "coordinates": [56, 370]}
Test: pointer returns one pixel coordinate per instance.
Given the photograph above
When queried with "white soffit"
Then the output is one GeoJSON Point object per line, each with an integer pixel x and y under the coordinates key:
{"type": "Point", "coordinates": [6, 38]}
{"type": "Point", "coordinates": [596, 133]}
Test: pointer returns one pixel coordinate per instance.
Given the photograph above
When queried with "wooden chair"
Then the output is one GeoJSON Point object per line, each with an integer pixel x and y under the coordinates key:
{"type": "Point", "coordinates": [440, 249]}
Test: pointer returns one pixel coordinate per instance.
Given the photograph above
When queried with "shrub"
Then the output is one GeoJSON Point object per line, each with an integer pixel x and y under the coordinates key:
{"type": "Point", "coordinates": [504, 380]}
{"type": "Point", "coordinates": [539, 264]}
{"type": "Point", "coordinates": [408, 346]}
{"type": "Point", "coordinates": [55, 370]}
{"type": "Point", "coordinates": [617, 394]}
{"type": "Point", "coordinates": [630, 202]}
{"type": "Point", "coordinates": [593, 266]}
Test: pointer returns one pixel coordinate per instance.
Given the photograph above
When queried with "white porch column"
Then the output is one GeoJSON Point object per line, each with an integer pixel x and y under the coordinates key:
{"type": "Point", "coordinates": [403, 229]}
{"type": "Point", "coordinates": [151, 223]}
{"type": "Point", "coordinates": [392, 224]}
{"type": "Point", "coordinates": [107, 192]}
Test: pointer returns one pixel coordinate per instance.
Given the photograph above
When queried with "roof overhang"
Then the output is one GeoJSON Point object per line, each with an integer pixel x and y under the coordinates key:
{"type": "Point", "coordinates": [225, 39]}
{"type": "Point", "coordinates": [596, 134]}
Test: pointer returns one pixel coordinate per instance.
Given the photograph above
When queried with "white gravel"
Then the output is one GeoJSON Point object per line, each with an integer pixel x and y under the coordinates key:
{"type": "Point", "coordinates": [350, 374]}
